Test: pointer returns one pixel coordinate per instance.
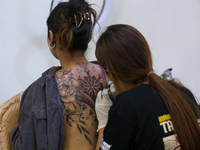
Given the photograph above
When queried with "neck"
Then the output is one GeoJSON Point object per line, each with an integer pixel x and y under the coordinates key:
{"type": "Point", "coordinates": [69, 60]}
{"type": "Point", "coordinates": [125, 87]}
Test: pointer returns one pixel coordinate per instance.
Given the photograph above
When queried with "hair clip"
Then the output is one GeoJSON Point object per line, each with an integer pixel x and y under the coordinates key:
{"type": "Point", "coordinates": [84, 16]}
{"type": "Point", "coordinates": [78, 25]}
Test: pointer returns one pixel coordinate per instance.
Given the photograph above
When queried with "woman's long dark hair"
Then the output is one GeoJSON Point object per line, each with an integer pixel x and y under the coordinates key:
{"type": "Point", "coordinates": [71, 23]}
{"type": "Point", "coordinates": [123, 51]}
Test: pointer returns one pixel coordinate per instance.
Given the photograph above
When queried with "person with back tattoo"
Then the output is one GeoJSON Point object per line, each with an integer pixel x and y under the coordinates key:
{"type": "Point", "coordinates": [57, 110]}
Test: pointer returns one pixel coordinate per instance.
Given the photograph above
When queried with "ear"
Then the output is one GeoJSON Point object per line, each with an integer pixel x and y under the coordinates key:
{"type": "Point", "coordinates": [51, 36]}
{"type": "Point", "coordinates": [90, 37]}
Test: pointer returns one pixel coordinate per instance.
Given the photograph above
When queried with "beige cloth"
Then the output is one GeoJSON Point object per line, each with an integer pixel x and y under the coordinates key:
{"type": "Point", "coordinates": [9, 111]}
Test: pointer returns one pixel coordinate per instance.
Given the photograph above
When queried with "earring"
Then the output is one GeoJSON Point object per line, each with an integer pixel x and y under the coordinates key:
{"type": "Point", "coordinates": [52, 47]}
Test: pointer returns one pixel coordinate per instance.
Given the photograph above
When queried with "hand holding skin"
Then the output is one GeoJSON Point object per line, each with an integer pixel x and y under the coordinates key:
{"type": "Point", "coordinates": [102, 107]}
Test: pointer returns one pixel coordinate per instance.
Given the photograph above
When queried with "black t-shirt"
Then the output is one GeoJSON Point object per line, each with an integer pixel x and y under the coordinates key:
{"type": "Point", "coordinates": [138, 120]}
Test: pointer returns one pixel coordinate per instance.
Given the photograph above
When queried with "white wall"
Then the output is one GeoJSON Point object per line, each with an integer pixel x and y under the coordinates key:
{"type": "Point", "coordinates": [171, 27]}
{"type": "Point", "coordinates": [24, 52]}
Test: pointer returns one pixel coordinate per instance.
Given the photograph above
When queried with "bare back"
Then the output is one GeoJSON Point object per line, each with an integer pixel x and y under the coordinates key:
{"type": "Point", "coordinates": [78, 88]}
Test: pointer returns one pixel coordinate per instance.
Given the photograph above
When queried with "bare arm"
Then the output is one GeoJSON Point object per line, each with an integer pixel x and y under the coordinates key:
{"type": "Point", "coordinates": [100, 136]}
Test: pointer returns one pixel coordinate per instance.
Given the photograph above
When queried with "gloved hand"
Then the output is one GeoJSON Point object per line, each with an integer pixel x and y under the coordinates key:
{"type": "Point", "coordinates": [102, 107]}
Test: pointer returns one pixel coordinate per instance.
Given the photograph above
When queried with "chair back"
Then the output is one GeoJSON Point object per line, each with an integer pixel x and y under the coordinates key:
{"type": "Point", "coordinates": [9, 111]}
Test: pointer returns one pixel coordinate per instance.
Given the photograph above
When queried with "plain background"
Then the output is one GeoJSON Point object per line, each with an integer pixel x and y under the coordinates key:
{"type": "Point", "coordinates": [171, 27]}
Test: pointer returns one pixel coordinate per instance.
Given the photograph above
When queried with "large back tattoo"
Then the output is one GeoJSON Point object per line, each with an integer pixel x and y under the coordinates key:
{"type": "Point", "coordinates": [78, 92]}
